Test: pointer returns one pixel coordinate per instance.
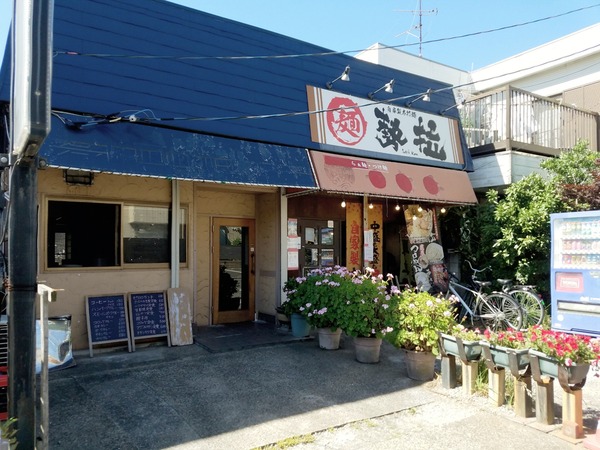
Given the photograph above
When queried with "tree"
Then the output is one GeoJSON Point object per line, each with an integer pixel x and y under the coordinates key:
{"type": "Point", "coordinates": [583, 197]}
{"type": "Point", "coordinates": [523, 218]}
{"type": "Point", "coordinates": [511, 232]}
{"type": "Point", "coordinates": [574, 166]}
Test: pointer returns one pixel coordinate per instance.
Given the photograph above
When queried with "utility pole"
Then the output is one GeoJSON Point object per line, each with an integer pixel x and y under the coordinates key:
{"type": "Point", "coordinates": [31, 63]}
{"type": "Point", "coordinates": [421, 13]}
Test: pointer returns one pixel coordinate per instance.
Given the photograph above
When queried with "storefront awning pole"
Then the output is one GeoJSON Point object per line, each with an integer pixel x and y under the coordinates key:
{"type": "Point", "coordinates": [365, 227]}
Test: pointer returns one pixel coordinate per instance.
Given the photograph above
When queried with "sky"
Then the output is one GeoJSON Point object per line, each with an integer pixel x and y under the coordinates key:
{"type": "Point", "coordinates": [350, 25]}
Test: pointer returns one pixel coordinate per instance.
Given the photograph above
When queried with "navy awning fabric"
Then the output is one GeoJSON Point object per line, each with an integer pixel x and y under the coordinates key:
{"type": "Point", "coordinates": [135, 149]}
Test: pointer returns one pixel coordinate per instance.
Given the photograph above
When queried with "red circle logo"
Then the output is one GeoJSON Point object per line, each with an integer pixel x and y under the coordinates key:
{"type": "Point", "coordinates": [346, 121]}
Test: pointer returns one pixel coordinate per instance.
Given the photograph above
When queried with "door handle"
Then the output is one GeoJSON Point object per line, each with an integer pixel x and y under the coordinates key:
{"type": "Point", "coordinates": [252, 263]}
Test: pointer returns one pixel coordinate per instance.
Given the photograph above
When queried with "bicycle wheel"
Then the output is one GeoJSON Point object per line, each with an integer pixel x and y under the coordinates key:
{"type": "Point", "coordinates": [500, 311]}
{"type": "Point", "coordinates": [532, 306]}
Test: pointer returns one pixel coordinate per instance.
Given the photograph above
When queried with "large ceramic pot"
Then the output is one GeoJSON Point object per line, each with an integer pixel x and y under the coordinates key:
{"type": "Point", "coordinates": [451, 345]}
{"type": "Point", "coordinates": [329, 339]}
{"type": "Point", "coordinates": [420, 366]}
{"type": "Point", "coordinates": [367, 349]}
{"type": "Point", "coordinates": [550, 367]}
{"type": "Point", "coordinates": [300, 326]}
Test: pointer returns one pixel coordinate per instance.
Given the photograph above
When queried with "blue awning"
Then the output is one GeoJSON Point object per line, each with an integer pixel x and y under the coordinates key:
{"type": "Point", "coordinates": [135, 149]}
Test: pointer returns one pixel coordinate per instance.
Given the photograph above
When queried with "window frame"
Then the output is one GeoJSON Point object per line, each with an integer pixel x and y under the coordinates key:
{"type": "Point", "coordinates": [121, 204]}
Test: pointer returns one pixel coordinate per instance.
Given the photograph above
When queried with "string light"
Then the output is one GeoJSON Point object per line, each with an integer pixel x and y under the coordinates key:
{"type": "Point", "coordinates": [343, 203]}
{"type": "Point", "coordinates": [397, 207]}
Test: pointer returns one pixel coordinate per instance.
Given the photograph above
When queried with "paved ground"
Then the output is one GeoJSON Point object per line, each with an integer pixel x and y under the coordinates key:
{"type": "Point", "coordinates": [192, 398]}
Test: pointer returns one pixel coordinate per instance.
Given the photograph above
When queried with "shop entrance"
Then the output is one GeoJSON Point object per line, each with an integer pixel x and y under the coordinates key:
{"type": "Point", "coordinates": [320, 244]}
{"type": "Point", "coordinates": [233, 270]}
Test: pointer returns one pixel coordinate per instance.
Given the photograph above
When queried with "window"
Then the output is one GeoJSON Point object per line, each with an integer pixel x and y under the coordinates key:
{"type": "Point", "coordinates": [82, 234]}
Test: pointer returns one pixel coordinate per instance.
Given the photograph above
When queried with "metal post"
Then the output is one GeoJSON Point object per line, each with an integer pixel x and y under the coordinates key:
{"type": "Point", "coordinates": [22, 291]}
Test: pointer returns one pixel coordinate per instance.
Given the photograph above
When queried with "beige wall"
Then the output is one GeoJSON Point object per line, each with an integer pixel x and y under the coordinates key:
{"type": "Point", "coordinates": [203, 201]}
{"type": "Point", "coordinates": [209, 204]}
{"type": "Point", "coordinates": [268, 253]}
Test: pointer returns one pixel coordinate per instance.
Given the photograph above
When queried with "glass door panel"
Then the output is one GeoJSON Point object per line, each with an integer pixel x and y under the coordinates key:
{"type": "Point", "coordinates": [320, 244]}
{"type": "Point", "coordinates": [233, 270]}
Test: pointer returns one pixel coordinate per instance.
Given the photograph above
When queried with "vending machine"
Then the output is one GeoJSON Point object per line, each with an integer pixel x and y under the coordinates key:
{"type": "Point", "coordinates": [575, 272]}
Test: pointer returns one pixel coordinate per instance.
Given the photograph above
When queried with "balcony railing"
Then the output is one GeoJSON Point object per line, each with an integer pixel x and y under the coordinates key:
{"type": "Point", "coordinates": [514, 119]}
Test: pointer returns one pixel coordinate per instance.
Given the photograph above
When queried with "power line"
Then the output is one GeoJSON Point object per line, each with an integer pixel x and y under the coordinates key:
{"type": "Point", "coordinates": [148, 116]}
{"type": "Point", "coordinates": [327, 53]}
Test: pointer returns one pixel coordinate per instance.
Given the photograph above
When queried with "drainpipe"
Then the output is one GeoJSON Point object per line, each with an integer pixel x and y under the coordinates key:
{"type": "Point", "coordinates": [175, 226]}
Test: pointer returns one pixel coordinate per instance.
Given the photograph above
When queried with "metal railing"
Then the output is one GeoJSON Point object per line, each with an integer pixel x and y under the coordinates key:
{"type": "Point", "coordinates": [511, 118]}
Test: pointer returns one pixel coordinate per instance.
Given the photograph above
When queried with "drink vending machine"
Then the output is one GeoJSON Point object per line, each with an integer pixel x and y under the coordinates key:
{"type": "Point", "coordinates": [575, 272]}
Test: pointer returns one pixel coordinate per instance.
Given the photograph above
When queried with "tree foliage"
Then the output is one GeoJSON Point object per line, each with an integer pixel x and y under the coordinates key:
{"type": "Point", "coordinates": [523, 218]}
{"type": "Point", "coordinates": [511, 230]}
{"type": "Point", "coordinates": [583, 197]}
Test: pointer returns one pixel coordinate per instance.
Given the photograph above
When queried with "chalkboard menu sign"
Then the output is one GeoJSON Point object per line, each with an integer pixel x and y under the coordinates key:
{"type": "Point", "coordinates": [148, 312]}
{"type": "Point", "coordinates": [107, 320]}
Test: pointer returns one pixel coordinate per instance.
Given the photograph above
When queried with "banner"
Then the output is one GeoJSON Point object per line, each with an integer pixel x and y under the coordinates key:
{"type": "Point", "coordinates": [427, 254]}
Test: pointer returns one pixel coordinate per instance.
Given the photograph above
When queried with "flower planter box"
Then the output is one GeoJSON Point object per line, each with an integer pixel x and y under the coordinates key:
{"type": "Point", "coordinates": [550, 367]}
{"type": "Point", "coordinates": [516, 360]}
{"type": "Point", "coordinates": [465, 350]}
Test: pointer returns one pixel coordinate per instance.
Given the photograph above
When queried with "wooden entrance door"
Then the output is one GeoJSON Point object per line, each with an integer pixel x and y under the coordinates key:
{"type": "Point", "coordinates": [233, 270]}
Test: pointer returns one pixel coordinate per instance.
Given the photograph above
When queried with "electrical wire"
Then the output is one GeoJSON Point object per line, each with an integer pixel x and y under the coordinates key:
{"type": "Point", "coordinates": [151, 117]}
{"type": "Point", "coordinates": [327, 53]}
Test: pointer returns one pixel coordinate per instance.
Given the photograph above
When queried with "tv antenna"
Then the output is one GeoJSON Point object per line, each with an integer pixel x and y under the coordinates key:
{"type": "Point", "coordinates": [421, 13]}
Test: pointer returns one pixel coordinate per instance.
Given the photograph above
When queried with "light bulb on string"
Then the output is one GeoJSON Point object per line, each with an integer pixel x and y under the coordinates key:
{"type": "Point", "coordinates": [420, 209]}
{"type": "Point", "coordinates": [343, 203]}
{"type": "Point", "coordinates": [397, 207]}
{"type": "Point", "coordinates": [443, 210]}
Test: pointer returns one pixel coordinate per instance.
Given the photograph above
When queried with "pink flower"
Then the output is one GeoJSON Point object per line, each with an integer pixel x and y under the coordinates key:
{"type": "Point", "coordinates": [568, 362]}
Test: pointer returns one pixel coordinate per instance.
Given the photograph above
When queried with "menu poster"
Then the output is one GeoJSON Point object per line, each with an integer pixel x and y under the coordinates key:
{"type": "Point", "coordinates": [292, 227]}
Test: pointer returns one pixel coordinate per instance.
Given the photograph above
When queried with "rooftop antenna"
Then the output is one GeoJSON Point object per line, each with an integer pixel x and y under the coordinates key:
{"type": "Point", "coordinates": [421, 13]}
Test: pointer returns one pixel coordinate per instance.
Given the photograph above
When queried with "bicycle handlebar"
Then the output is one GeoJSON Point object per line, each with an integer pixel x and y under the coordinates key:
{"type": "Point", "coordinates": [476, 271]}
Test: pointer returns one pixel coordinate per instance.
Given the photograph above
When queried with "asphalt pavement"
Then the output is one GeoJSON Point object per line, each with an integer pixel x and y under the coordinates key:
{"type": "Point", "coordinates": [192, 397]}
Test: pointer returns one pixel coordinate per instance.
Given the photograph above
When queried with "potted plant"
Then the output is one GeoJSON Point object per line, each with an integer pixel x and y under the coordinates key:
{"type": "Point", "coordinates": [419, 317]}
{"type": "Point", "coordinates": [324, 293]}
{"type": "Point", "coordinates": [366, 312]}
{"type": "Point", "coordinates": [462, 342]}
{"type": "Point", "coordinates": [503, 346]}
{"type": "Point", "coordinates": [554, 351]}
{"type": "Point", "coordinates": [293, 307]}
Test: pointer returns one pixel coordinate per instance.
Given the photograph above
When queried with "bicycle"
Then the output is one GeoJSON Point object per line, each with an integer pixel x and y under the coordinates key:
{"type": "Point", "coordinates": [495, 310]}
{"type": "Point", "coordinates": [530, 301]}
